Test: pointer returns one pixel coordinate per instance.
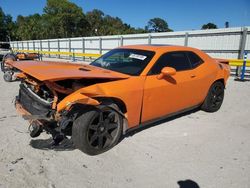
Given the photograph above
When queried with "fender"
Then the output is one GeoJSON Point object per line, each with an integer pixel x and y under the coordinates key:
{"type": "Point", "coordinates": [224, 71]}
{"type": "Point", "coordinates": [74, 98]}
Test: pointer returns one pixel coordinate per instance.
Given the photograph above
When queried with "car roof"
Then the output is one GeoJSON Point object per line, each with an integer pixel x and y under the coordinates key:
{"type": "Point", "coordinates": [158, 47]}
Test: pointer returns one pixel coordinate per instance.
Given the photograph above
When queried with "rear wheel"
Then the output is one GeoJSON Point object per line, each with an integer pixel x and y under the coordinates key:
{"type": "Point", "coordinates": [97, 130]}
{"type": "Point", "coordinates": [214, 97]}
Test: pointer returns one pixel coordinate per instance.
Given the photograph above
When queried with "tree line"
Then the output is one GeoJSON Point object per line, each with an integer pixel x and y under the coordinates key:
{"type": "Point", "coordinates": [63, 19]}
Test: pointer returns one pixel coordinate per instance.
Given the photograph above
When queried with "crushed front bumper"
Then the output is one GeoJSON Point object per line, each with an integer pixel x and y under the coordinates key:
{"type": "Point", "coordinates": [31, 106]}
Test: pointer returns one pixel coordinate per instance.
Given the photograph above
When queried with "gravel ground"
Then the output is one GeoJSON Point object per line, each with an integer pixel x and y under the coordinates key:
{"type": "Point", "coordinates": [194, 150]}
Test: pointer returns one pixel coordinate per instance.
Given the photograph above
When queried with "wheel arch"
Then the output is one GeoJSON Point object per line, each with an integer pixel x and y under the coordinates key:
{"type": "Point", "coordinates": [222, 80]}
{"type": "Point", "coordinates": [117, 101]}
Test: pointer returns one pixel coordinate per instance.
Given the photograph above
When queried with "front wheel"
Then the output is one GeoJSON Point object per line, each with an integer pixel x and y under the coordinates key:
{"type": "Point", "coordinates": [214, 97]}
{"type": "Point", "coordinates": [97, 130]}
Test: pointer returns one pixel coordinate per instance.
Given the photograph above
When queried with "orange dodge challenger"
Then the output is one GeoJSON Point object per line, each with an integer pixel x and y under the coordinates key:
{"type": "Point", "coordinates": [126, 88]}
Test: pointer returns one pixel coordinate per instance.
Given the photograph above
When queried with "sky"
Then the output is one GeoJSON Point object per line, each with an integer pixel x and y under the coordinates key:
{"type": "Point", "coordinates": [179, 14]}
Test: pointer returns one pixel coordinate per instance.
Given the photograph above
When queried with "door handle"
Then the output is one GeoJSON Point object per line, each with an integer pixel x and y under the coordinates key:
{"type": "Point", "coordinates": [193, 76]}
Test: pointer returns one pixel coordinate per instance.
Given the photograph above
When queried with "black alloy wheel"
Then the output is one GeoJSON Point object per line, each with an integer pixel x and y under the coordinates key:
{"type": "Point", "coordinates": [217, 95]}
{"type": "Point", "coordinates": [214, 97]}
{"type": "Point", "coordinates": [103, 129]}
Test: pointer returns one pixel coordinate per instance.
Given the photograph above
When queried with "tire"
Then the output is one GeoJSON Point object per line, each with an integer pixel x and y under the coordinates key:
{"type": "Point", "coordinates": [7, 76]}
{"type": "Point", "coordinates": [214, 97]}
{"type": "Point", "coordinates": [97, 130]}
{"type": "Point", "coordinates": [35, 130]}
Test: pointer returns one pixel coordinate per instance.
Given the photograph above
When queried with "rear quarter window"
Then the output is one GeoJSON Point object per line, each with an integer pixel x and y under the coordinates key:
{"type": "Point", "coordinates": [194, 59]}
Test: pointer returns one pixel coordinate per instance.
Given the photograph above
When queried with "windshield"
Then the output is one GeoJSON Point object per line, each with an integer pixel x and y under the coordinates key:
{"type": "Point", "coordinates": [126, 61]}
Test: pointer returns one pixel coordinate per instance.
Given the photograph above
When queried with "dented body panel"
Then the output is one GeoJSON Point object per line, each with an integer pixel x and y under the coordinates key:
{"type": "Point", "coordinates": [132, 97]}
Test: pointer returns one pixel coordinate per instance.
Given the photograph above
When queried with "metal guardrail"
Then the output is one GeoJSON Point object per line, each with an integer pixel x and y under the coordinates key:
{"type": "Point", "coordinates": [238, 62]}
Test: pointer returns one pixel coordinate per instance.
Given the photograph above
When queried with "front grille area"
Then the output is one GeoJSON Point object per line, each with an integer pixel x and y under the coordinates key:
{"type": "Point", "coordinates": [31, 102]}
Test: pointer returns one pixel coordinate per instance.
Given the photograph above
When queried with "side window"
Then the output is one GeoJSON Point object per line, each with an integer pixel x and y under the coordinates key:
{"type": "Point", "coordinates": [177, 60]}
{"type": "Point", "coordinates": [194, 59]}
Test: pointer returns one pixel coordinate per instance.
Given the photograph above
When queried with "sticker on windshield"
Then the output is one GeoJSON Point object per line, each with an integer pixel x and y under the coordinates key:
{"type": "Point", "coordinates": [137, 56]}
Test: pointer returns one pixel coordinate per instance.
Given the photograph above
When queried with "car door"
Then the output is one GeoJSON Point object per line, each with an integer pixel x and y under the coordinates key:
{"type": "Point", "coordinates": [172, 93]}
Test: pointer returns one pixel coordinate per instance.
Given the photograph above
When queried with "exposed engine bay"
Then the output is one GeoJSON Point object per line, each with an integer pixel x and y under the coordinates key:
{"type": "Point", "coordinates": [51, 93]}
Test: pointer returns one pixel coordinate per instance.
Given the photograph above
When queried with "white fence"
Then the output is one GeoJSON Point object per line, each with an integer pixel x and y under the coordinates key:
{"type": "Point", "coordinates": [220, 43]}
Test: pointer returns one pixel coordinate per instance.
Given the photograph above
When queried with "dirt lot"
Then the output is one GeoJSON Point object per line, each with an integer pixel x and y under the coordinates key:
{"type": "Point", "coordinates": [210, 150]}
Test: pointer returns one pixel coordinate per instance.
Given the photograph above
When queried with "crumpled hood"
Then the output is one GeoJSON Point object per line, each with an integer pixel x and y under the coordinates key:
{"type": "Point", "coordinates": [53, 71]}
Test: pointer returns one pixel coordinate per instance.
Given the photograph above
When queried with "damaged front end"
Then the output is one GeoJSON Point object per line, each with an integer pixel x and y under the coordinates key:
{"type": "Point", "coordinates": [52, 106]}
